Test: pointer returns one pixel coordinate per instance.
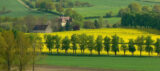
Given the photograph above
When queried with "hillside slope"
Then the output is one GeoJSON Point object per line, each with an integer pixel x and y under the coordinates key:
{"type": "Point", "coordinates": [18, 9]}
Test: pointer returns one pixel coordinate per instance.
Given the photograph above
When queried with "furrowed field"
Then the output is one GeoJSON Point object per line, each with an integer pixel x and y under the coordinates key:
{"type": "Point", "coordinates": [126, 34]}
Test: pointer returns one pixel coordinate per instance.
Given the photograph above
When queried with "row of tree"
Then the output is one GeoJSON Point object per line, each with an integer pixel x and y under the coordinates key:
{"type": "Point", "coordinates": [17, 50]}
{"type": "Point", "coordinates": [108, 44]}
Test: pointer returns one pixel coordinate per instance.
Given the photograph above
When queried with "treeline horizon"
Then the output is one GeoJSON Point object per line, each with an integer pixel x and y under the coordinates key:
{"type": "Point", "coordinates": [114, 44]}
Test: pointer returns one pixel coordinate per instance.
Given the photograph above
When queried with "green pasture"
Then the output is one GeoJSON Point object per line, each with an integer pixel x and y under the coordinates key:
{"type": "Point", "coordinates": [102, 62]}
{"type": "Point", "coordinates": [18, 10]}
{"type": "Point", "coordinates": [101, 7]}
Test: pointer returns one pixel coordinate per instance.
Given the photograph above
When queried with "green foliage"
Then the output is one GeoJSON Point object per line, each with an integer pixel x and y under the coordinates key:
{"type": "Point", "coordinates": [59, 8]}
{"type": "Point", "coordinates": [57, 42]}
{"type": "Point", "coordinates": [115, 44]}
{"type": "Point", "coordinates": [146, 9]}
{"type": "Point", "coordinates": [89, 25]}
{"type": "Point", "coordinates": [23, 52]}
{"type": "Point", "coordinates": [146, 20]}
{"type": "Point", "coordinates": [9, 49]}
{"type": "Point", "coordinates": [74, 40]}
{"type": "Point", "coordinates": [109, 14]}
{"type": "Point", "coordinates": [15, 50]}
{"type": "Point", "coordinates": [45, 5]}
{"type": "Point", "coordinates": [140, 43]}
{"type": "Point", "coordinates": [91, 44]}
{"type": "Point", "coordinates": [99, 44]}
{"type": "Point", "coordinates": [68, 26]}
{"type": "Point", "coordinates": [124, 47]}
{"type": "Point", "coordinates": [49, 42]}
{"type": "Point", "coordinates": [157, 46]}
{"type": "Point", "coordinates": [83, 42]}
{"type": "Point", "coordinates": [156, 8]}
{"type": "Point", "coordinates": [148, 43]}
{"type": "Point", "coordinates": [107, 44]}
{"type": "Point", "coordinates": [135, 7]}
{"type": "Point", "coordinates": [66, 44]}
{"type": "Point", "coordinates": [131, 46]}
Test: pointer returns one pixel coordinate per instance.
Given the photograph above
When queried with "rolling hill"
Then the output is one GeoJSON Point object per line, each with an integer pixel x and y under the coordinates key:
{"type": "Point", "coordinates": [18, 9]}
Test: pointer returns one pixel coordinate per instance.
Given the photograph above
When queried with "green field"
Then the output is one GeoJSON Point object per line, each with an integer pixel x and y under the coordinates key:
{"type": "Point", "coordinates": [118, 63]}
{"type": "Point", "coordinates": [101, 7]}
{"type": "Point", "coordinates": [17, 9]}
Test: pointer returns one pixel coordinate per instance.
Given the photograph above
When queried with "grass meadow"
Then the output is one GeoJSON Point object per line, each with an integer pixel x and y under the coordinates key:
{"type": "Point", "coordinates": [113, 63]}
{"type": "Point", "coordinates": [101, 7]}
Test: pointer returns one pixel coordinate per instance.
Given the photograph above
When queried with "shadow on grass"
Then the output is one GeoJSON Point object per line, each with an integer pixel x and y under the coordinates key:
{"type": "Point", "coordinates": [94, 55]}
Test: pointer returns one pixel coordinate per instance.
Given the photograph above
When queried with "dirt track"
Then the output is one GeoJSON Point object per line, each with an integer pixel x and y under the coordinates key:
{"type": "Point", "coordinates": [58, 68]}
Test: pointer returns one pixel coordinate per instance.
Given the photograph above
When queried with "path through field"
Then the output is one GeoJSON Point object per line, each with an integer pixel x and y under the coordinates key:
{"type": "Point", "coordinates": [60, 68]}
{"type": "Point", "coordinates": [20, 1]}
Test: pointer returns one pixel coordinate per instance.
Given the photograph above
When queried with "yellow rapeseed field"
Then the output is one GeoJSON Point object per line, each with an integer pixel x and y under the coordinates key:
{"type": "Point", "coordinates": [124, 33]}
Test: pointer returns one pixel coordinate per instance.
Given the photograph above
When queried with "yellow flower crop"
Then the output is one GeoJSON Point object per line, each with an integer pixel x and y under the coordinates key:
{"type": "Point", "coordinates": [126, 34]}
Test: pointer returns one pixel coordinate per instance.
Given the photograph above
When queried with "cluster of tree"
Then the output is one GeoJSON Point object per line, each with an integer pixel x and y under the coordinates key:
{"type": "Point", "coordinates": [147, 20]}
{"type": "Point", "coordinates": [92, 25]}
{"type": "Point", "coordinates": [17, 51]}
{"type": "Point", "coordinates": [23, 24]}
{"type": "Point", "coordinates": [82, 4]}
{"type": "Point", "coordinates": [116, 25]}
{"type": "Point", "coordinates": [136, 7]}
{"type": "Point", "coordinates": [45, 5]}
{"type": "Point", "coordinates": [109, 14]}
{"type": "Point", "coordinates": [108, 44]}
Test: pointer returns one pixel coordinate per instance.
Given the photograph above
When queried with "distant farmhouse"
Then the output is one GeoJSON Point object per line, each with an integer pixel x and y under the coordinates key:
{"type": "Point", "coordinates": [42, 28]}
{"type": "Point", "coordinates": [63, 20]}
{"type": "Point", "coordinates": [46, 28]}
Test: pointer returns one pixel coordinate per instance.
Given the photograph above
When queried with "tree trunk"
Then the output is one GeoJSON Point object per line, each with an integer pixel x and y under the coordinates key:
{"type": "Point", "coordinates": [65, 51]}
{"type": "Point", "coordinates": [158, 54]}
{"type": "Point", "coordinates": [40, 51]}
{"type": "Point", "coordinates": [73, 51]}
{"type": "Point", "coordinates": [149, 53]}
{"type": "Point", "coordinates": [99, 53]}
{"type": "Point", "coordinates": [132, 53]}
{"type": "Point", "coordinates": [108, 53]}
{"type": "Point", "coordinates": [140, 53]}
{"type": "Point", "coordinates": [115, 53]}
{"type": "Point", "coordinates": [20, 68]}
{"type": "Point", "coordinates": [50, 51]}
{"type": "Point", "coordinates": [57, 51]}
{"type": "Point", "coordinates": [33, 58]}
{"type": "Point", "coordinates": [83, 51]}
{"type": "Point", "coordinates": [90, 52]}
{"type": "Point", "coordinates": [8, 64]}
{"type": "Point", "coordinates": [124, 53]}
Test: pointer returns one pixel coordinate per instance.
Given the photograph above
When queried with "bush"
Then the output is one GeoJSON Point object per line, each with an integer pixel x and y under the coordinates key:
{"type": "Point", "coordinates": [89, 25]}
